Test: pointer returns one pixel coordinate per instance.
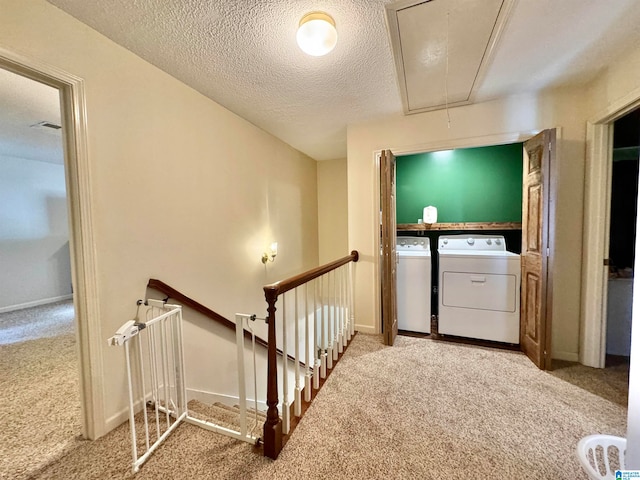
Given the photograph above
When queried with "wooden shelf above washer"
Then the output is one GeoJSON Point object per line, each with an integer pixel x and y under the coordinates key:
{"type": "Point", "coordinates": [419, 227]}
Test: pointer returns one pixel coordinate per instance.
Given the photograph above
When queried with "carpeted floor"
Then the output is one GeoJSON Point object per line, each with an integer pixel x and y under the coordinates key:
{"type": "Point", "coordinates": [420, 409]}
{"type": "Point", "coordinates": [611, 383]}
{"type": "Point", "coordinates": [33, 323]}
{"type": "Point", "coordinates": [39, 391]}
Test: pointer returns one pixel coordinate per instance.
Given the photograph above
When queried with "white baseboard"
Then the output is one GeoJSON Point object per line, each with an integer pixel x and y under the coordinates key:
{"type": "Point", "coordinates": [566, 356]}
{"type": "Point", "coordinates": [35, 303]}
{"type": "Point", "coordinates": [116, 420]}
{"type": "Point", "coordinates": [365, 329]}
{"type": "Point", "coordinates": [211, 398]}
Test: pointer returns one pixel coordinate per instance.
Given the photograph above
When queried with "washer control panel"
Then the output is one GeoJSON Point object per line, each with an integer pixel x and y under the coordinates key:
{"type": "Point", "coordinates": [412, 243]}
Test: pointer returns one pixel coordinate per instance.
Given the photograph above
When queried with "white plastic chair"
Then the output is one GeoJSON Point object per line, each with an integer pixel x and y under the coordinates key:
{"type": "Point", "coordinates": [598, 454]}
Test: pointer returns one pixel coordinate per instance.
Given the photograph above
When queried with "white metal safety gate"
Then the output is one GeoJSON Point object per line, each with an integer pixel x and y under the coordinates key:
{"type": "Point", "coordinates": [156, 377]}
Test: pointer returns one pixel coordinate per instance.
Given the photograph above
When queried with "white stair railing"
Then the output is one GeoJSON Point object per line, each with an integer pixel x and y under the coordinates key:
{"type": "Point", "coordinates": [317, 338]}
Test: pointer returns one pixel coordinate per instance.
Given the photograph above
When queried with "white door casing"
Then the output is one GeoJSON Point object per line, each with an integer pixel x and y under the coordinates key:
{"type": "Point", "coordinates": [597, 205]}
{"type": "Point", "coordinates": [83, 255]}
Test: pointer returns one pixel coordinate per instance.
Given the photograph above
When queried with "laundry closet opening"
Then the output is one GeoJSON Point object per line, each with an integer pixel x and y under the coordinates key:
{"type": "Point", "coordinates": [622, 235]}
{"type": "Point", "coordinates": [478, 195]}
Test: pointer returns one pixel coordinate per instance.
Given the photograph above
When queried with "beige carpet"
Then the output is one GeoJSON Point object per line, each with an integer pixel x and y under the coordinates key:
{"type": "Point", "coordinates": [44, 321]}
{"type": "Point", "coordinates": [611, 383]}
{"type": "Point", "coordinates": [422, 409]}
{"type": "Point", "coordinates": [39, 396]}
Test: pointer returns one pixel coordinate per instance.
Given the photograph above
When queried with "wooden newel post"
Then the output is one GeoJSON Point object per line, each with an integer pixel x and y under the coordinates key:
{"type": "Point", "coordinates": [272, 434]}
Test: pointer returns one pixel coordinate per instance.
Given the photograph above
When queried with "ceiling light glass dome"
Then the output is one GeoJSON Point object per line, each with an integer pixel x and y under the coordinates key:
{"type": "Point", "coordinates": [317, 34]}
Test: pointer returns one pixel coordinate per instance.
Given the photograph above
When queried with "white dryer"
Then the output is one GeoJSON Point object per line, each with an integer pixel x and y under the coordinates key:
{"type": "Point", "coordinates": [479, 290]}
{"type": "Point", "coordinates": [414, 284]}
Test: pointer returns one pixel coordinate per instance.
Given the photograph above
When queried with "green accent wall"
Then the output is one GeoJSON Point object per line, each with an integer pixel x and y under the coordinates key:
{"type": "Point", "coordinates": [466, 185]}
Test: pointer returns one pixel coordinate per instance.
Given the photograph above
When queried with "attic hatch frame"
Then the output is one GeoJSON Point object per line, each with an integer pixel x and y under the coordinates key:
{"type": "Point", "coordinates": [393, 29]}
{"type": "Point", "coordinates": [81, 239]}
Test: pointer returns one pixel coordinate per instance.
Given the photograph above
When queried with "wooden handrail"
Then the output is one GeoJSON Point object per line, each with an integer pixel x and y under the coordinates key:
{"type": "Point", "coordinates": [180, 297]}
{"type": "Point", "coordinates": [168, 290]}
{"type": "Point", "coordinates": [272, 434]}
{"type": "Point", "coordinates": [283, 286]}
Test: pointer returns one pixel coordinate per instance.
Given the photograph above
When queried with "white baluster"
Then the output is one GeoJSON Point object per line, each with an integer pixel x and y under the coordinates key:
{"type": "Point", "coordinates": [341, 335]}
{"type": "Point", "coordinates": [307, 347]}
{"type": "Point", "coordinates": [324, 313]}
{"type": "Point", "coordinates": [330, 324]}
{"type": "Point", "coordinates": [334, 303]}
{"type": "Point", "coordinates": [343, 295]}
{"type": "Point", "coordinates": [285, 370]}
{"type": "Point", "coordinates": [352, 283]}
{"type": "Point", "coordinates": [297, 401]}
{"type": "Point", "coordinates": [316, 345]}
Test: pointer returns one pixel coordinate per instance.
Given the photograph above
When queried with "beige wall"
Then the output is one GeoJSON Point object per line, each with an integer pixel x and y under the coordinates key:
{"type": "Point", "coordinates": [183, 190]}
{"type": "Point", "coordinates": [617, 84]}
{"type": "Point", "coordinates": [500, 121]}
{"type": "Point", "coordinates": [332, 210]}
{"type": "Point", "coordinates": [34, 234]}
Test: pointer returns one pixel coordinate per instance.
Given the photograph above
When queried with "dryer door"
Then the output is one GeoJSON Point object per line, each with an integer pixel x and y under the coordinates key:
{"type": "Point", "coordinates": [483, 291]}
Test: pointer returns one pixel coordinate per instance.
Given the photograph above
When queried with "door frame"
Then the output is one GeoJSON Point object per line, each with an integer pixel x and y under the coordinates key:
{"type": "Point", "coordinates": [595, 235]}
{"type": "Point", "coordinates": [81, 238]}
{"type": "Point", "coordinates": [450, 144]}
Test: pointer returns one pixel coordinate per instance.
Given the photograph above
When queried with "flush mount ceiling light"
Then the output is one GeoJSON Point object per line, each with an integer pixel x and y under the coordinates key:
{"type": "Point", "coordinates": [317, 34]}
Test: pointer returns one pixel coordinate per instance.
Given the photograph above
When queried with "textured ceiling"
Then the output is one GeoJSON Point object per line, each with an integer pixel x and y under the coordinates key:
{"type": "Point", "coordinates": [243, 55]}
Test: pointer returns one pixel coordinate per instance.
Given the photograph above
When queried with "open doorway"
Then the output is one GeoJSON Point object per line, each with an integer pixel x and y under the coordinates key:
{"type": "Point", "coordinates": [34, 224]}
{"type": "Point", "coordinates": [622, 234]}
{"type": "Point", "coordinates": [597, 208]}
{"type": "Point", "coordinates": [38, 349]}
{"type": "Point", "coordinates": [88, 338]}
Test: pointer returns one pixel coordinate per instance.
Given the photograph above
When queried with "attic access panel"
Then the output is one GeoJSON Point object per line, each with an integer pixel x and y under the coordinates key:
{"type": "Point", "coordinates": [442, 47]}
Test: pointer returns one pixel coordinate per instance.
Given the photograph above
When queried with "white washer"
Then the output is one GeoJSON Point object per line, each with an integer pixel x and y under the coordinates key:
{"type": "Point", "coordinates": [479, 291]}
{"type": "Point", "coordinates": [414, 284]}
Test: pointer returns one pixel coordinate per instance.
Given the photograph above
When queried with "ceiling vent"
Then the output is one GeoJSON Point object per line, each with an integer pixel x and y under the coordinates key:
{"type": "Point", "coordinates": [442, 48]}
{"type": "Point", "coordinates": [46, 125]}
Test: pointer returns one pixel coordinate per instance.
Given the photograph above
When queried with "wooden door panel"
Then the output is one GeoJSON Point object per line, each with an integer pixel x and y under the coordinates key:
{"type": "Point", "coordinates": [536, 154]}
{"type": "Point", "coordinates": [388, 247]}
{"type": "Point", "coordinates": [535, 312]}
{"type": "Point", "coordinates": [532, 307]}
{"type": "Point", "coordinates": [534, 210]}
